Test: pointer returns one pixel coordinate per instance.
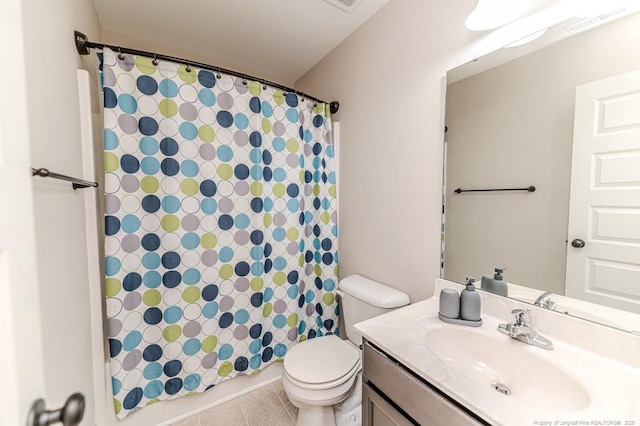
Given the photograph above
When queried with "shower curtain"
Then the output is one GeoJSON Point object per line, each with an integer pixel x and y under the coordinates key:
{"type": "Point", "coordinates": [220, 226]}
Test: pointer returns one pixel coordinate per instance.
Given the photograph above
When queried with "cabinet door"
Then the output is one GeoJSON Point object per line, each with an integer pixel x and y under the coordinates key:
{"type": "Point", "coordinates": [378, 412]}
{"type": "Point", "coordinates": [413, 396]}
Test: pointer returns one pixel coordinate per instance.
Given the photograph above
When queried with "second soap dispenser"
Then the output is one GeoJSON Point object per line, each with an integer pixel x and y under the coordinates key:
{"type": "Point", "coordinates": [470, 302]}
{"type": "Point", "coordinates": [496, 284]}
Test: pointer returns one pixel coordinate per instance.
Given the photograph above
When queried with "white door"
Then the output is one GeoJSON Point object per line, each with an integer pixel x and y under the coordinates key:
{"type": "Point", "coordinates": [22, 362]}
{"type": "Point", "coordinates": [604, 208]}
{"type": "Point", "coordinates": [20, 348]}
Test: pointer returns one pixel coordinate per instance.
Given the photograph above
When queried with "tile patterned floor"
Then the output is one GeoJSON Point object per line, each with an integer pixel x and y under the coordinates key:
{"type": "Point", "coordinates": [266, 406]}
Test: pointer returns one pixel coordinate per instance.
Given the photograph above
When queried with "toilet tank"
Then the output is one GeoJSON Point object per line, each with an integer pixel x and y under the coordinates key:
{"type": "Point", "coordinates": [362, 299]}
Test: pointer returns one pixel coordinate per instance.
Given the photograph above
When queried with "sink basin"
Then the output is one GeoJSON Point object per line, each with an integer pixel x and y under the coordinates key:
{"type": "Point", "coordinates": [484, 358]}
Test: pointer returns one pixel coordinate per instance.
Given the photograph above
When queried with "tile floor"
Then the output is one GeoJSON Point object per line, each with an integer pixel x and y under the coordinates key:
{"type": "Point", "coordinates": [266, 406]}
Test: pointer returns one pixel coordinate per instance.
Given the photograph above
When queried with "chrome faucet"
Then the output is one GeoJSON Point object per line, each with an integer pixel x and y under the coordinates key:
{"type": "Point", "coordinates": [544, 301]}
{"type": "Point", "coordinates": [521, 330]}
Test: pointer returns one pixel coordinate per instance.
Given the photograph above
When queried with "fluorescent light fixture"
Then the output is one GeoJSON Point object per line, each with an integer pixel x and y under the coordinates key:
{"type": "Point", "coordinates": [518, 31]}
{"type": "Point", "coordinates": [530, 27]}
{"type": "Point", "coordinates": [490, 14]}
{"type": "Point", "coordinates": [527, 39]}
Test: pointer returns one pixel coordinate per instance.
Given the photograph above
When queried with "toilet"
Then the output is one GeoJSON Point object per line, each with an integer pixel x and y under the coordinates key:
{"type": "Point", "coordinates": [322, 375]}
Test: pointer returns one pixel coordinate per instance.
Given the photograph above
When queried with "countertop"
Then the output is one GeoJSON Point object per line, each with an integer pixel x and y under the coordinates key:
{"type": "Point", "coordinates": [612, 386]}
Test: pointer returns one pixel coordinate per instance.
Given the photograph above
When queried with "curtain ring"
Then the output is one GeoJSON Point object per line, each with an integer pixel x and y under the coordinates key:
{"type": "Point", "coordinates": [188, 67]}
{"type": "Point", "coordinates": [244, 80]}
{"type": "Point", "coordinates": [120, 55]}
{"type": "Point", "coordinates": [155, 60]}
{"type": "Point", "coordinates": [218, 75]}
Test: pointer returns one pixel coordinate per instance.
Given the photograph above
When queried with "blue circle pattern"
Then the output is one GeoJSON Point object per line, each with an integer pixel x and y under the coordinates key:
{"type": "Point", "coordinates": [173, 278]}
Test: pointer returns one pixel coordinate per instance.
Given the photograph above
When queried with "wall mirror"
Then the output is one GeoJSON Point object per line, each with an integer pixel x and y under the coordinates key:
{"type": "Point", "coordinates": [562, 116]}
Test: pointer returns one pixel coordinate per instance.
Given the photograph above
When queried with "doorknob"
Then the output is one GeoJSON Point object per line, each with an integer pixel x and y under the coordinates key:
{"type": "Point", "coordinates": [69, 415]}
{"type": "Point", "coordinates": [578, 243]}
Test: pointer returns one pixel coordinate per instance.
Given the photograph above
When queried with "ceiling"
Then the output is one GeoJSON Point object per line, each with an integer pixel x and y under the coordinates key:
{"type": "Point", "coordinates": [273, 39]}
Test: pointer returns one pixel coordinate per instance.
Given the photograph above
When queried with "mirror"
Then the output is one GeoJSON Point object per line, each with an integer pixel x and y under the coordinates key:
{"type": "Point", "coordinates": [510, 124]}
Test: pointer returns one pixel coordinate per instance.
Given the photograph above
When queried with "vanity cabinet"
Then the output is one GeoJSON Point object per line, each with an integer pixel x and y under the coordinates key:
{"type": "Point", "coordinates": [377, 411]}
{"type": "Point", "coordinates": [392, 395]}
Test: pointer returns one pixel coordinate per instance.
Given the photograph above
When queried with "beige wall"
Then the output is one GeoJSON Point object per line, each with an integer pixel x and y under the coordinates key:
{"type": "Point", "coordinates": [512, 126]}
{"type": "Point", "coordinates": [54, 126]}
{"type": "Point", "coordinates": [114, 38]}
{"type": "Point", "coordinates": [389, 79]}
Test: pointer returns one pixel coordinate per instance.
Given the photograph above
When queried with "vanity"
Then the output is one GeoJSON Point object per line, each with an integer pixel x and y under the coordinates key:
{"type": "Point", "coordinates": [394, 394]}
{"type": "Point", "coordinates": [420, 370]}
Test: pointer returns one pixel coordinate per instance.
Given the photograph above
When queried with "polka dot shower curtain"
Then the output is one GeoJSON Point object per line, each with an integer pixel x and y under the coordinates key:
{"type": "Point", "coordinates": [220, 223]}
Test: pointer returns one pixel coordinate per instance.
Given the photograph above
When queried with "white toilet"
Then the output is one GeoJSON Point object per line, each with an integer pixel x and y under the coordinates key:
{"type": "Point", "coordinates": [324, 373]}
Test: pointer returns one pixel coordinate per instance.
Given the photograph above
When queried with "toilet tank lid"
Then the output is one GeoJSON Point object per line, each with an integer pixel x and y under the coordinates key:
{"type": "Point", "coordinates": [373, 292]}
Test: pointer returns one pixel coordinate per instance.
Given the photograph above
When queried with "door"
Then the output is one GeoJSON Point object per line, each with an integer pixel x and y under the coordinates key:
{"type": "Point", "coordinates": [603, 250]}
{"type": "Point", "coordinates": [22, 361]}
{"type": "Point", "coordinates": [21, 366]}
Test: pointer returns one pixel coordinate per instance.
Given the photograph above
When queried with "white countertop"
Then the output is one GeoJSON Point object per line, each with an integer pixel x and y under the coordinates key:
{"type": "Point", "coordinates": [613, 386]}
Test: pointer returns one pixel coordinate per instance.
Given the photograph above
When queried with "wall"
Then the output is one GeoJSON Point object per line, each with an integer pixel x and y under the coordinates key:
{"type": "Point", "coordinates": [52, 102]}
{"type": "Point", "coordinates": [512, 126]}
{"type": "Point", "coordinates": [114, 38]}
{"type": "Point", "coordinates": [389, 78]}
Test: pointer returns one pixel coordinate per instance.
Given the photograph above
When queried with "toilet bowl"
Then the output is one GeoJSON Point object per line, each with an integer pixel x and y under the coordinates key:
{"type": "Point", "coordinates": [322, 376]}
{"type": "Point", "coordinates": [318, 374]}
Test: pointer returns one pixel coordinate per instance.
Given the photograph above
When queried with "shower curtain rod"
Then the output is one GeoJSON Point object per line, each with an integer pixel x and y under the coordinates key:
{"type": "Point", "coordinates": [83, 45]}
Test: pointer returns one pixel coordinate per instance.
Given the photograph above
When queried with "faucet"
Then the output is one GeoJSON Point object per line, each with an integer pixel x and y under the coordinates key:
{"type": "Point", "coordinates": [521, 330]}
{"type": "Point", "coordinates": [544, 301]}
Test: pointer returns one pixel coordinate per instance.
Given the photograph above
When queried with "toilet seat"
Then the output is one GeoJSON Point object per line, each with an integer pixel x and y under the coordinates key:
{"type": "Point", "coordinates": [334, 362]}
{"type": "Point", "coordinates": [318, 397]}
{"type": "Point", "coordinates": [329, 384]}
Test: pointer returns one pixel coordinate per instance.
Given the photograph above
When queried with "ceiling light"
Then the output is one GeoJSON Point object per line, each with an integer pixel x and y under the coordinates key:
{"type": "Point", "coordinates": [490, 14]}
{"type": "Point", "coordinates": [525, 28]}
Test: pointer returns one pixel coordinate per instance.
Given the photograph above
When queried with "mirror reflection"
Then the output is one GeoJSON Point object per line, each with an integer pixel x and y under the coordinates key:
{"type": "Point", "coordinates": [564, 119]}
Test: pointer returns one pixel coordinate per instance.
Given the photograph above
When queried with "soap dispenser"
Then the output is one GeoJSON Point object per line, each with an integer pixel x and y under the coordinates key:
{"type": "Point", "coordinates": [470, 302]}
{"type": "Point", "coordinates": [496, 284]}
